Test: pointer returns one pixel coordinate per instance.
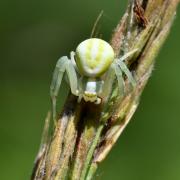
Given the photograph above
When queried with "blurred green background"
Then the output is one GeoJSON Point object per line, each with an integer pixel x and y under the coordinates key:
{"type": "Point", "coordinates": [33, 35]}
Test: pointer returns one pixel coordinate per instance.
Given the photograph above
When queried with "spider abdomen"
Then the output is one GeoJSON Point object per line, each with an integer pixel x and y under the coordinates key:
{"type": "Point", "coordinates": [93, 57]}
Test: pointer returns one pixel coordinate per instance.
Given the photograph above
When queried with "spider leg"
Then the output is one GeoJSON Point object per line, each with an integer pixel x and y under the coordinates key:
{"type": "Point", "coordinates": [126, 71]}
{"type": "Point", "coordinates": [56, 82]}
{"type": "Point", "coordinates": [72, 76]}
{"type": "Point", "coordinates": [127, 55]}
{"type": "Point", "coordinates": [113, 71]}
{"type": "Point", "coordinates": [124, 68]}
{"type": "Point", "coordinates": [108, 82]}
{"type": "Point", "coordinates": [80, 89]}
{"type": "Point", "coordinates": [64, 65]}
{"type": "Point", "coordinates": [72, 55]}
{"type": "Point", "coordinates": [119, 76]}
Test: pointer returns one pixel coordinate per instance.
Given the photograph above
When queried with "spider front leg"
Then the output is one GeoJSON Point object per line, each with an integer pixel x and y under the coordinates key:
{"type": "Point", "coordinates": [120, 79]}
{"type": "Point", "coordinates": [109, 80]}
{"type": "Point", "coordinates": [127, 72]}
{"type": "Point", "coordinates": [124, 68]}
{"type": "Point", "coordinates": [117, 69]}
{"type": "Point", "coordinates": [64, 65]}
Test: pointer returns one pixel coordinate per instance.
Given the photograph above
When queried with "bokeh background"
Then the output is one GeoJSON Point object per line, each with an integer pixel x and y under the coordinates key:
{"type": "Point", "coordinates": [33, 35]}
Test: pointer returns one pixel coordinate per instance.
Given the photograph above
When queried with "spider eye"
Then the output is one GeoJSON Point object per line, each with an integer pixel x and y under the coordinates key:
{"type": "Point", "coordinates": [93, 57]}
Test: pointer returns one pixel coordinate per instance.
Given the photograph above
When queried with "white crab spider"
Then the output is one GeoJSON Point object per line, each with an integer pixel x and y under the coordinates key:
{"type": "Point", "coordinates": [93, 60]}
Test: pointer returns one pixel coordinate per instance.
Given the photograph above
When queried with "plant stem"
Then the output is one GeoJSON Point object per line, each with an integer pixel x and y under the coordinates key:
{"type": "Point", "coordinates": [85, 133]}
{"type": "Point", "coordinates": [91, 152]}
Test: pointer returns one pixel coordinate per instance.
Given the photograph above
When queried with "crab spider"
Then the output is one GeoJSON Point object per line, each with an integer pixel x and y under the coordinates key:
{"type": "Point", "coordinates": [93, 60]}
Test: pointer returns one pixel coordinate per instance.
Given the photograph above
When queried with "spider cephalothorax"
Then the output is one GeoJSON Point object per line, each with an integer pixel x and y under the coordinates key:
{"type": "Point", "coordinates": [89, 71]}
